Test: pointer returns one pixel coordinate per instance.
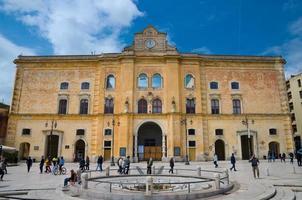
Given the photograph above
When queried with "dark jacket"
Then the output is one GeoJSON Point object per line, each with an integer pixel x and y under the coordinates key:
{"type": "Point", "coordinates": [254, 162]}
{"type": "Point", "coordinates": [171, 163]}
{"type": "Point", "coordinates": [100, 160]}
{"type": "Point", "coordinates": [233, 159]}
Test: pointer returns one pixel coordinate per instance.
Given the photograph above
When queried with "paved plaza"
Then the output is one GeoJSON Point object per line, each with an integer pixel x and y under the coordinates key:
{"type": "Point", "coordinates": [277, 180]}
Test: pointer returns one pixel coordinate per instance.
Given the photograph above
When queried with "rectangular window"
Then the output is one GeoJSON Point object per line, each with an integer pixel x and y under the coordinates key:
{"type": "Point", "coordinates": [299, 83]}
{"type": "Point", "coordinates": [236, 106]}
{"type": "Point", "coordinates": [80, 131]}
{"type": "Point", "coordinates": [192, 144]}
{"type": "Point", "coordinates": [291, 106]}
{"type": "Point", "coordinates": [191, 131]}
{"type": "Point", "coordinates": [300, 94]}
{"type": "Point", "coordinates": [215, 106]}
{"type": "Point", "coordinates": [109, 106]}
{"type": "Point", "coordinates": [26, 131]}
{"type": "Point", "coordinates": [123, 151]}
{"type": "Point", "coordinates": [108, 131]}
{"type": "Point", "coordinates": [190, 106]}
{"type": "Point", "coordinates": [218, 131]}
{"type": "Point", "coordinates": [273, 131]}
{"type": "Point", "coordinates": [107, 143]}
{"type": "Point", "coordinates": [176, 151]}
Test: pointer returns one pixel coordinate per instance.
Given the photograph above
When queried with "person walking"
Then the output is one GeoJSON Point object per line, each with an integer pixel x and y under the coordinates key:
{"type": "Point", "coordinates": [42, 164]}
{"type": "Point", "coordinates": [149, 165]}
{"type": "Point", "coordinates": [255, 163]}
{"type": "Point", "coordinates": [127, 165]}
{"type": "Point", "coordinates": [233, 161]}
{"type": "Point", "coordinates": [5, 165]}
{"type": "Point", "coordinates": [29, 163]}
{"type": "Point", "coordinates": [99, 163]}
{"type": "Point", "coordinates": [120, 165]}
{"type": "Point", "coordinates": [171, 165]}
{"type": "Point", "coordinates": [2, 169]}
{"type": "Point", "coordinates": [61, 164]}
{"type": "Point", "coordinates": [299, 159]}
{"type": "Point", "coordinates": [283, 157]}
{"type": "Point", "coordinates": [269, 156]}
{"type": "Point", "coordinates": [82, 164]}
{"type": "Point", "coordinates": [291, 156]}
{"type": "Point", "coordinates": [87, 162]}
{"type": "Point", "coordinates": [47, 165]}
{"type": "Point", "coordinates": [273, 156]}
{"type": "Point", "coordinates": [215, 160]}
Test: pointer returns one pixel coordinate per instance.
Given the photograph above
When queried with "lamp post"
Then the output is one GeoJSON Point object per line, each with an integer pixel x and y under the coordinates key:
{"type": "Point", "coordinates": [184, 122]}
{"type": "Point", "coordinates": [52, 127]}
{"type": "Point", "coordinates": [247, 122]}
{"type": "Point", "coordinates": [112, 143]}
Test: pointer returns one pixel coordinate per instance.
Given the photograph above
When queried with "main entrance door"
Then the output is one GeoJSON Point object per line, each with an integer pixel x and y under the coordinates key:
{"type": "Point", "coordinates": [247, 147]}
{"type": "Point", "coordinates": [79, 150]}
{"type": "Point", "coordinates": [220, 150]}
{"type": "Point", "coordinates": [149, 141]}
{"type": "Point", "coordinates": [52, 145]}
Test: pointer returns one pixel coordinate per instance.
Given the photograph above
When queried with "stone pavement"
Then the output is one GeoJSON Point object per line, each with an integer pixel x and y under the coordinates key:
{"type": "Point", "coordinates": [277, 180]}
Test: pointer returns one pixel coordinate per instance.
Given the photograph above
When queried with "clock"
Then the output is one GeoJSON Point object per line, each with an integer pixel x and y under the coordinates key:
{"type": "Point", "coordinates": [150, 43]}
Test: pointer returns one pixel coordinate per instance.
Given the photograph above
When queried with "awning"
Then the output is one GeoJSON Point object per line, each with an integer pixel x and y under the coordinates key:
{"type": "Point", "coordinates": [8, 149]}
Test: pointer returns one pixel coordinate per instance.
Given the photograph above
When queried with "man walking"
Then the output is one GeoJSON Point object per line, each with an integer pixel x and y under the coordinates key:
{"type": "Point", "coordinates": [255, 167]}
{"type": "Point", "coordinates": [149, 165]}
{"type": "Point", "coordinates": [2, 169]}
{"type": "Point", "coordinates": [127, 165]}
{"type": "Point", "coordinates": [42, 164]}
{"type": "Point", "coordinates": [99, 163]}
{"type": "Point", "coordinates": [29, 163]}
{"type": "Point", "coordinates": [233, 161]}
{"type": "Point", "coordinates": [171, 165]}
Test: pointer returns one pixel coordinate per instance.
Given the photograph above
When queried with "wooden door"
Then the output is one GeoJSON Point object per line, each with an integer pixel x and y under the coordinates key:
{"type": "Point", "coordinates": [153, 152]}
{"type": "Point", "coordinates": [192, 154]}
{"type": "Point", "coordinates": [107, 153]}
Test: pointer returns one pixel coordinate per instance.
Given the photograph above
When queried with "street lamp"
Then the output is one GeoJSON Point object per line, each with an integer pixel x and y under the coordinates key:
{"type": "Point", "coordinates": [112, 143]}
{"type": "Point", "coordinates": [247, 122]}
{"type": "Point", "coordinates": [184, 122]}
{"type": "Point", "coordinates": [52, 127]}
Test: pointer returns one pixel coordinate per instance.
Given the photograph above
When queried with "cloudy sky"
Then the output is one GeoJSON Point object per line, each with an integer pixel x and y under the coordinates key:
{"type": "Point", "coordinates": [245, 27]}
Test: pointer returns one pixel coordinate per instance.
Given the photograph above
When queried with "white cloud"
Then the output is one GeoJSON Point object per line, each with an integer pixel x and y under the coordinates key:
{"type": "Point", "coordinates": [8, 52]}
{"type": "Point", "coordinates": [77, 26]}
{"type": "Point", "coordinates": [202, 50]}
{"type": "Point", "coordinates": [291, 49]}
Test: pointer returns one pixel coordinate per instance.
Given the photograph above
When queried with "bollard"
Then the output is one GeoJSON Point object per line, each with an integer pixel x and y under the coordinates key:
{"type": "Point", "coordinates": [149, 185]}
{"type": "Point", "coordinates": [84, 178]}
{"type": "Point", "coordinates": [107, 171]}
{"type": "Point", "coordinates": [227, 176]}
{"type": "Point", "coordinates": [267, 171]}
{"type": "Point", "coordinates": [198, 171]}
{"type": "Point", "coordinates": [294, 169]}
{"type": "Point", "coordinates": [217, 180]}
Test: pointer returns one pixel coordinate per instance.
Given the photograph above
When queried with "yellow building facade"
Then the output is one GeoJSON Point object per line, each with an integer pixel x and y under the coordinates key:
{"type": "Point", "coordinates": [149, 101]}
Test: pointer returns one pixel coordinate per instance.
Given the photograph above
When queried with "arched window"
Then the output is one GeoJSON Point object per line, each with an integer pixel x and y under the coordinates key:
{"type": "Point", "coordinates": [156, 106]}
{"type": "Point", "coordinates": [64, 86]}
{"type": "Point", "coordinates": [215, 106]}
{"type": "Point", "coordinates": [213, 85]}
{"type": "Point", "coordinates": [236, 106]}
{"type": "Point", "coordinates": [62, 106]}
{"type": "Point", "coordinates": [156, 81]}
{"type": "Point", "coordinates": [84, 106]}
{"type": "Point", "coordinates": [235, 86]}
{"type": "Point", "coordinates": [190, 106]}
{"type": "Point", "coordinates": [85, 86]}
{"type": "Point", "coordinates": [109, 106]}
{"type": "Point", "coordinates": [189, 81]}
{"type": "Point", "coordinates": [110, 82]}
{"type": "Point", "coordinates": [142, 81]}
{"type": "Point", "coordinates": [142, 106]}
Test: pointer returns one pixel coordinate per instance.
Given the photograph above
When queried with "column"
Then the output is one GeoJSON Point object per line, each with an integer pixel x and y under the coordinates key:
{"type": "Point", "coordinates": [135, 158]}
{"type": "Point", "coordinates": [164, 158]}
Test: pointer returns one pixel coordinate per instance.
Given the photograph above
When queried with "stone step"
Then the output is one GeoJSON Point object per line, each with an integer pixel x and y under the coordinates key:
{"type": "Point", "coordinates": [283, 193]}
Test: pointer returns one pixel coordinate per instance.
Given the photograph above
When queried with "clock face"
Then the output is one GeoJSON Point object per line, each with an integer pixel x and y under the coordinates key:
{"type": "Point", "coordinates": [150, 43]}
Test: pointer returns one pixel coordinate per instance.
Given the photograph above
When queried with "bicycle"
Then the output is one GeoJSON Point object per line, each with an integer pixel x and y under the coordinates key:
{"type": "Point", "coordinates": [57, 170]}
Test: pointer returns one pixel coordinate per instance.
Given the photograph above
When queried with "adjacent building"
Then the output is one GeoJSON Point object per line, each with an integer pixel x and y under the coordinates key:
{"type": "Point", "coordinates": [4, 110]}
{"type": "Point", "coordinates": [149, 101]}
{"type": "Point", "coordinates": [294, 94]}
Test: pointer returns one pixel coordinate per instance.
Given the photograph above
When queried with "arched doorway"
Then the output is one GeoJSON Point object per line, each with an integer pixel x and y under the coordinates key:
{"type": "Point", "coordinates": [219, 149]}
{"type": "Point", "coordinates": [247, 147]}
{"type": "Point", "coordinates": [274, 147]}
{"type": "Point", "coordinates": [149, 141]}
{"type": "Point", "coordinates": [79, 150]}
{"type": "Point", "coordinates": [24, 150]}
{"type": "Point", "coordinates": [52, 142]}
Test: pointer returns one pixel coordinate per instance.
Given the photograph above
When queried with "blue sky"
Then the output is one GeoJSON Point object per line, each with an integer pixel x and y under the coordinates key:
{"type": "Point", "coordinates": [244, 27]}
